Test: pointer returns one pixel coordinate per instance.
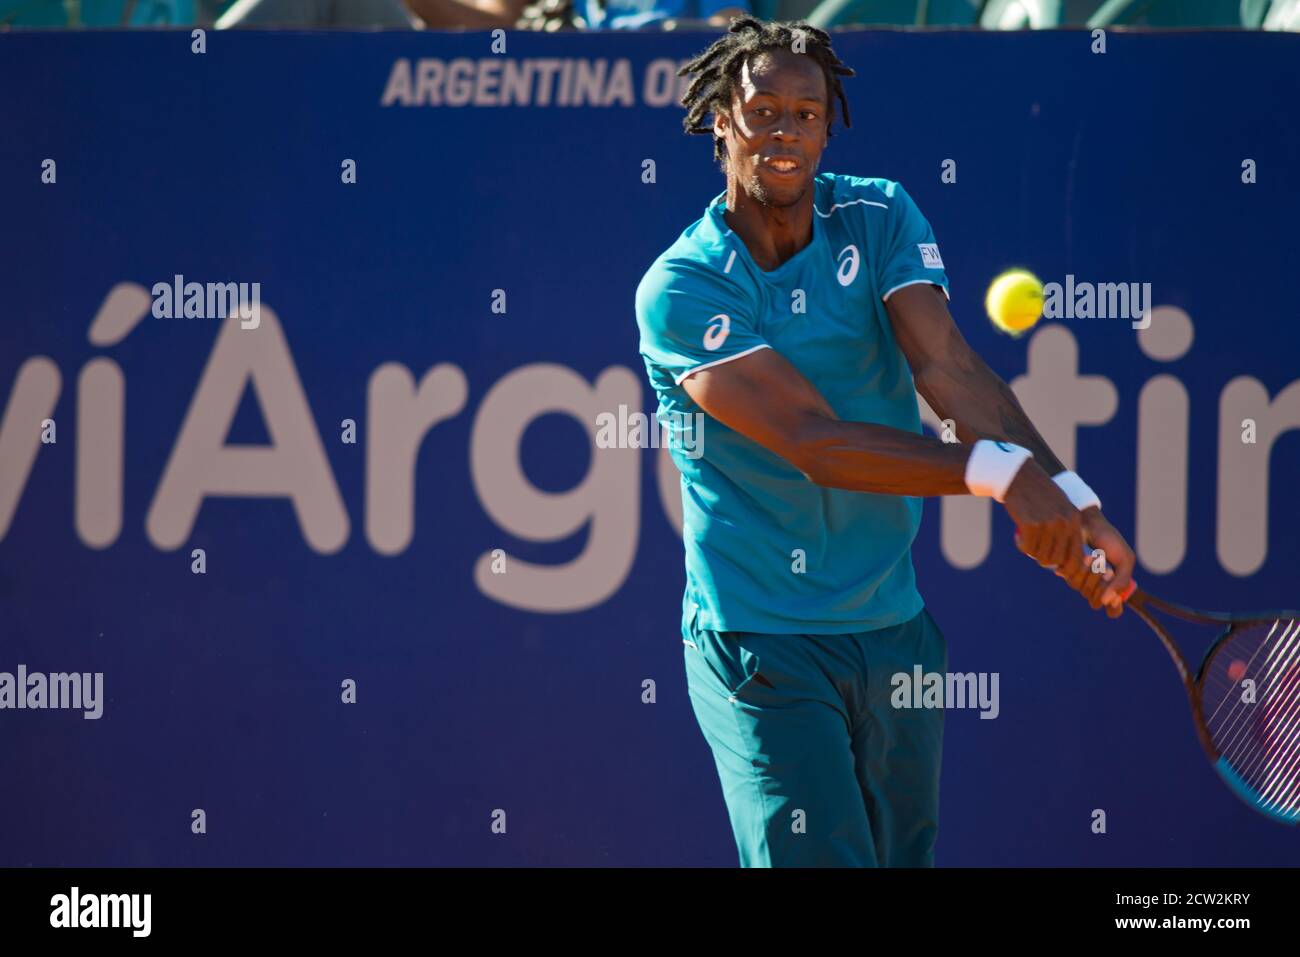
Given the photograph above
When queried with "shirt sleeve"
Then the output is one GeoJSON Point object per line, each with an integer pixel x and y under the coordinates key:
{"type": "Point", "coordinates": [911, 253]}
{"type": "Point", "coordinates": [691, 318]}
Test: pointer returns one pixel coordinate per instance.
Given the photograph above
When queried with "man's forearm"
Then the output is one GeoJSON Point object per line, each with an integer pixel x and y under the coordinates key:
{"type": "Point", "coordinates": [982, 406]}
{"type": "Point", "coordinates": [864, 457]}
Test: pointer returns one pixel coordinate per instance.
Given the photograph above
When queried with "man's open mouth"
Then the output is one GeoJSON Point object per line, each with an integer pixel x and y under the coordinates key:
{"type": "Point", "coordinates": [783, 164]}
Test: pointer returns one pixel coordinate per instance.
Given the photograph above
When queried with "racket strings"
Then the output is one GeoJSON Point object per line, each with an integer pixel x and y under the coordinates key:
{"type": "Point", "coordinates": [1280, 784]}
{"type": "Point", "coordinates": [1265, 743]}
{"type": "Point", "coordinates": [1234, 734]}
{"type": "Point", "coordinates": [1230, 696]}
{"type": "Point", "coordinates": [1286, 688]}
{"type": "Point", "coordinates": [1259, 739]}
{"type": "Point", "coordinates": [1281, 717]}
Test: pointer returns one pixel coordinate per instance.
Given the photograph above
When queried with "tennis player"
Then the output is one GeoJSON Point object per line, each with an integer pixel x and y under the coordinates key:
{"type": "Point", "coordinates": [801, 314]}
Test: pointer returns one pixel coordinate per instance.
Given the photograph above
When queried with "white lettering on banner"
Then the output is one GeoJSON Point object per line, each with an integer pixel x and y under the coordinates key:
{"type": "Point", "coordinates": [606, 504]}
{"type": "Point", "coordinates": [532, 82]}
{"type": "Point", "coordinates": [493, 81]}
{"type": "Point", "coordinates": [399, 416]}
{"type": "Point", "coordinates": [293, 465]}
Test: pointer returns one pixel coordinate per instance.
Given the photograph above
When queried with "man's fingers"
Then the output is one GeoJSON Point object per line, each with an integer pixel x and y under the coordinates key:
{"type": "Point", "coordinates": [1059, 543]}
{"type": "Point", "coordinates": [1079, 578]}
{"type": "Point", "coordinates": [1072, 571]}
{"type": "Point", "coordinates": [1093, 588]}
{"type": "Point", "coordinates": [1119, 584]}
{"type": "Point", "coordinates": [1027, 541]}
{"type": "Point", "coordinates": [1099, 575]}
{"type": "Point", "coordinates": [1051, 545]}
{"type": "Point", "coordinates": [1070, 543]}
{"type": "Point", "coordinates": [1082, 578]}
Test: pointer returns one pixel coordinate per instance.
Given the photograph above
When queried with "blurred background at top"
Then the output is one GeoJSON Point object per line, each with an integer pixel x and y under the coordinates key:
{"type": "Point", "coordinates": [648, 14]}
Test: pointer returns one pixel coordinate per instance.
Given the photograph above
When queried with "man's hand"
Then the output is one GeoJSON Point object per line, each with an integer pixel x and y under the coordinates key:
{"type": "Point", "coordinates": [1049, 529]}
{"type": "Point", "coordinates": [1102, 534]}
{"type": "Point", "coordinates": [959, 385]}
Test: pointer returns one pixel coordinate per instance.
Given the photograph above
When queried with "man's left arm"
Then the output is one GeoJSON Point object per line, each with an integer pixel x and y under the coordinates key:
{"type": "Point", "coordinates": [960, 386]}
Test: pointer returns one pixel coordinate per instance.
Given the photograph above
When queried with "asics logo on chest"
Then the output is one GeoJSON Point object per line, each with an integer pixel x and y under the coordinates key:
{"type": "Point", "coordinates": [849, 260]}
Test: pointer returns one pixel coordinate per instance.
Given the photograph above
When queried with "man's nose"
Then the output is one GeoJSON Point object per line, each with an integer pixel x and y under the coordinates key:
{"type": "Point", "coordinates": [786, 127]}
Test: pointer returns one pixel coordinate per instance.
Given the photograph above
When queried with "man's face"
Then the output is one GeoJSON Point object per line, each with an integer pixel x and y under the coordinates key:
{"type": "Point", "coordinates": [777, 128]}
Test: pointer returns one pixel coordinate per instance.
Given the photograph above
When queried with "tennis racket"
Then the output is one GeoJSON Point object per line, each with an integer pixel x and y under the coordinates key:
{"type": "Point", "coordinates": [1245, 698]}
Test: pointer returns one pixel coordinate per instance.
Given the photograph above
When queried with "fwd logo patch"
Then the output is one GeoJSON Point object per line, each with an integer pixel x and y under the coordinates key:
{"type": "Point", "coordinates": [102, 910]}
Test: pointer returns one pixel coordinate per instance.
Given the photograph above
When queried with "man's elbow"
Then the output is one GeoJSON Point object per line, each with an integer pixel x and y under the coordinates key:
{"type": "Point", "coordinates": [927, 379]}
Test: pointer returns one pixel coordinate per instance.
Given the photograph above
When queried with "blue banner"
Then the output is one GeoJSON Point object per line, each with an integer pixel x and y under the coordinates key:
{"type": "Point", "coordinates": [305, 340]}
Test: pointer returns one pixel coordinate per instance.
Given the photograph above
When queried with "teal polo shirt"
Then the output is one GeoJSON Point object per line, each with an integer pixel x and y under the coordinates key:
{"type": "Point", "coordinates": [768, 551]}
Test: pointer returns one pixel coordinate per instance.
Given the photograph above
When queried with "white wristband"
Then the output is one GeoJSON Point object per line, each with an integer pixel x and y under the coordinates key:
{"type": "Point", "coordinates": [1076, 490]}
{"type": "Point", "coordinates": [992, 467]}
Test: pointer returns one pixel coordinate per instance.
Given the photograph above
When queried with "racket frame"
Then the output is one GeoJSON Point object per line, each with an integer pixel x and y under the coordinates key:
{"type": "Point", "coordinates": [1141, 603]}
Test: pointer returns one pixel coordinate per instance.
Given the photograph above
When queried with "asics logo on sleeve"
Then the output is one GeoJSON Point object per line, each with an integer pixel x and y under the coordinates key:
{"type": "Point", "coordinates": [716, 334]}
{"type": "Point", "coordinates": [849, 260]}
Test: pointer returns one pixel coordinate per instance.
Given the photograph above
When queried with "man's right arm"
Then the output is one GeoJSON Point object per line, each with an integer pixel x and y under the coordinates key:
{"type": "Point", "coordinates": [765, 398]}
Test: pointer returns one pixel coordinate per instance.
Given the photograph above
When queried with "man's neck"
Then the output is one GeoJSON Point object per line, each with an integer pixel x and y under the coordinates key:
{"type": "Point", "coordinates": [771, 234]}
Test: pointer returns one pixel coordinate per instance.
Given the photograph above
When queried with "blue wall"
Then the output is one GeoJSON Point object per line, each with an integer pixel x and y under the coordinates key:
{"type": "Point", "coordinates": [223, 689]}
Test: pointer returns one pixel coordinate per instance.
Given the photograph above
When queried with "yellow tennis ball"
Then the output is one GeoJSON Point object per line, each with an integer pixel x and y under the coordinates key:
{"type": "Point", "coordinates": [1015, 301]}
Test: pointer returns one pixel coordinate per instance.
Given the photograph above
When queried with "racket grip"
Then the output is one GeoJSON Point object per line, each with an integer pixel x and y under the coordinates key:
{"type": "Point", "coordinates": [1132, 583]}
{"type": "Point", "coordinates": [1109, 574]}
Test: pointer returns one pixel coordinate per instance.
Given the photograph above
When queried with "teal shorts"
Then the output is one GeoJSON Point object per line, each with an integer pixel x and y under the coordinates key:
{"type": "Point", "coordinates": [818, 768]}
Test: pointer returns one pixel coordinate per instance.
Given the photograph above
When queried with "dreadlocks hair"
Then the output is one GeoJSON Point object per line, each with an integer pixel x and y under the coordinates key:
{"type": "Point", "coordinates": [718, 68]}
